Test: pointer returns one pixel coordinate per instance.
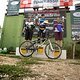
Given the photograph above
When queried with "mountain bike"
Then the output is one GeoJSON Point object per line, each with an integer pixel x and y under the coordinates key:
{"type": "Point", "coordinates": [52, 50]}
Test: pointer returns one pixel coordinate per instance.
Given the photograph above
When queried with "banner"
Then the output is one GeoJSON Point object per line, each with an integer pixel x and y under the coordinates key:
{"type": "Point", "coordinates": [66, 2]}
{"type": "Point", "coordinates": [75, 23]}
{"type": "Point", "coordinates": [50, 15]}
{"type": "Point", "coordinates": [25, 3]}
{"type": "Point", "coordinates": [45, 3]}
{"type": "Point", "coordinates": [38, 3]}
{"type": "Point", "coordinates": [51, 3]}
{"type": "Point", "coordinates": [13, 7]}
{"type": "Point", "coordinates": [76, 2]}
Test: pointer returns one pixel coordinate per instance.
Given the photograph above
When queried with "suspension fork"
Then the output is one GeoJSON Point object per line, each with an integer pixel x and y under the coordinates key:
{"type": "Point", "coordinates": [50, 44]}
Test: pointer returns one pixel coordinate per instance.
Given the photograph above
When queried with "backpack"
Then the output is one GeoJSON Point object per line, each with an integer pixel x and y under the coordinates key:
{"type": "Point", "coordinates": [59, 27]}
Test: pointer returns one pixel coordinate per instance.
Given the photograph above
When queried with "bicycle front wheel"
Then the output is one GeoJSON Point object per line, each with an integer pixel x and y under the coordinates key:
{"type": "Point", "coordinates": [53, 50]}
{"type": "Point", "coordinates": [25, 50]}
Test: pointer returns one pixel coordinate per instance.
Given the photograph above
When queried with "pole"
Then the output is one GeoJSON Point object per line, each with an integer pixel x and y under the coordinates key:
{"type": "Point", "coordinates": [74, 49]}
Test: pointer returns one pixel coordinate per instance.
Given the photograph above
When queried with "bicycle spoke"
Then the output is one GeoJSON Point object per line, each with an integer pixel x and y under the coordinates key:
{"type": "Point", "coordinates": [53, 52]}
{"type": "Point", "coordinates": [25, 50]}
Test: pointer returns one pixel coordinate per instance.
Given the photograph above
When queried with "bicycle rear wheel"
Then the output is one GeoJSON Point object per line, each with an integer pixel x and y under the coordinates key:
{"type": "Point", "coordinates": [23, 49]}
{"type": "Point", "coordinates": [53, 52]}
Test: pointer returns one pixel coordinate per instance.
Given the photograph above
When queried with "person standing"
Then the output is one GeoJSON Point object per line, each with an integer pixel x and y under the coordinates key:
{"type": "Point", "coordinates": [58, 31]}
{"type": "Point", "coordinates": [42, 26]}
{"type": "Point", "coordinates": [29, 26]}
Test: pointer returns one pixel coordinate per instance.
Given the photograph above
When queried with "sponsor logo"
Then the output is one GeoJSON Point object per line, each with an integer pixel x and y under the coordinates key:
{"type": "Point", "coordinates": [14, 2]}
{"type": "Point", "coordinates": [76, 14]}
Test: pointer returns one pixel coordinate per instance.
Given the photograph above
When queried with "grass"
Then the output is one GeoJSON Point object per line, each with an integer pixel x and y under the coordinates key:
{"type": "Point", "coordinates": [76, 63]}
{"type": "Point", "coordinates": [29, 61]}
{"type": "Point", "coordinates": [9, 55]}
{"type": "Point", "coordinates": [13, 71]}
{"type": "Point", "coordinates": [18, 71]}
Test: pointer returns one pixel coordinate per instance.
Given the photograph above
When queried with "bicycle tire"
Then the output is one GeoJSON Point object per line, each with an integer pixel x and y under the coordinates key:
{"type": "Point", "coordinates": [23, 49]}
{"type": "Point", "coordinates": [55, 53]}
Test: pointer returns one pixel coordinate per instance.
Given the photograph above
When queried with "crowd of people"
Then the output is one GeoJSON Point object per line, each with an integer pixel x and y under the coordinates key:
{"type": "Point", "coordinates": [42, 23]}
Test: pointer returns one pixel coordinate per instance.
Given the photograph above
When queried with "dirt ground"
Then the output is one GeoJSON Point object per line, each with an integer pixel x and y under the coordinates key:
{"type": "Point", "coordinates": [50, 70]}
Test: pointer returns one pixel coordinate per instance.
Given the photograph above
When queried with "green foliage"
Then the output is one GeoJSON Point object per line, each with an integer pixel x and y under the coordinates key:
{"type": "Point", "coordinates": [69, 51]}
{"type": "Point", "coordinates": [3, 52]}
{"type": "Point", "coordinates": [10, 49]}
{"type": "Point", "coordinates": [13, 71]}
{"type": "Point", "coordinates": [77, 53]}
{"type": "Point", "coordinates": [18, 71]}
{"type": "Point", "coordinates": [77, 62]}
